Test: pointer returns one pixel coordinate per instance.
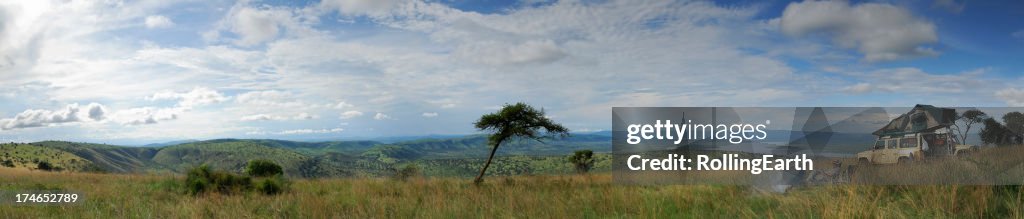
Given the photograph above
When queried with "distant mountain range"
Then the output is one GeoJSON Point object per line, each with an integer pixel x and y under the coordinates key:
{"type": "Point", "coordinates": [301, 159]}
{"type": "Point", "coordinates": [169, 143]}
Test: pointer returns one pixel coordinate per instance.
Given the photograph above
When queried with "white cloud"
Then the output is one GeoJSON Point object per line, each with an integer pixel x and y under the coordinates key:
{"type": "Point", "coordinates": [40, 117]}
{"type": "Point", "coordinates": [27, 28]}
{"type": "Point", "coordinates": [915, 80]}
{"type": "Point", "coordinates": [255, 26]}
{"type": "Point", "coordinates": [882, 32]}
{"type": "Point", "coordinates": [269, 117]}
{"type": "Point", "coordinates": [381, 116]}
{"type": "Point", "coordinates": [198, 96]}
{"type": "Point", "coordinates": [858, 88]}
{"type": "Point", "coordinates": [430, 114]}
{"type": "Point", "coordinates": [268, 98]}
{"type": "Point", "coordinates": [342, 105]}
{"type": "Point", "coordinates": [262, 117]}
{"type": "Point", "coordinates": [360, 7]}
{"type": "Point", "coordinates": [311, 131]}
{"type": "Point", "coordinates": [158, 21]}
{"type": "Point", "coordinates": [147, 115]}
{"type": "Point", "coordinates": [350, 114]}
{"type": "Point", "coordinates": [298, 131]}
{"type": "Point", "coordinates": [500, 53]}
{"type": "Point", "coordinates": [305, 116]}
{"type": "Point", "coordinates": [1013, 96]}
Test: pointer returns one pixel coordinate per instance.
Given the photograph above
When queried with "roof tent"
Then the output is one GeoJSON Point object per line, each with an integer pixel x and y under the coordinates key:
{"type": "Point", "coordinates": [922, 118]}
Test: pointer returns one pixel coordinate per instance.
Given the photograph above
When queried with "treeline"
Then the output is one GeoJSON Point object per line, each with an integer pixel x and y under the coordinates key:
{"type": "Point", "coordinates": [515, 165]}
{"type": "Point", "coordinates": [1009, 132]}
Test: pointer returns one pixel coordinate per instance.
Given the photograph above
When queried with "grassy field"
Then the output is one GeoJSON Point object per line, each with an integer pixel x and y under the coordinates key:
{"type": "Point", "coordinates": [146, 196]}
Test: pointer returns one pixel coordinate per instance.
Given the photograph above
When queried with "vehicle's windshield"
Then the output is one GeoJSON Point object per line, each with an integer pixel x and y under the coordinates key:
{"type": "Point", "coordinates": [880, 144]}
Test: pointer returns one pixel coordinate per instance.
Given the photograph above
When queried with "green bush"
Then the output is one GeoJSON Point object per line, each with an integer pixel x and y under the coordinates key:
{"type": "Point", "coordinates": [201, 180]}
{"type": "Point", "coordinates": [227, 183]}
{"type": "Point", "coordinates": [45, 166]}
{"type": "Point", "coordinates": [273, 185]}
{"type": "Point", "coordinates": [583, 160]}
{"type": "Point", "coordinates": [197, 180]}
{"type": "Point", "coordinates": [7, 163]}
{"type": "Point", "coordinates": [263, 168]}
{"type": "Point", "coordinates": [408, 171]}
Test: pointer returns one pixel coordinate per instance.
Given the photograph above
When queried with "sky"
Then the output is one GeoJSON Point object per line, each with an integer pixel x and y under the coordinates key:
{"type": "Point", "coordinates": [136, 72]}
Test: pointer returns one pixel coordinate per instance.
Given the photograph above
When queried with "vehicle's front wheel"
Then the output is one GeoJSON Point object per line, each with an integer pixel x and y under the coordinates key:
{"type": "Point", "coordinates": [904, 161]}
{"type": "Point", "coordinates": [863, 162]}
{"type": "Point", "coordinates": [963, 153]}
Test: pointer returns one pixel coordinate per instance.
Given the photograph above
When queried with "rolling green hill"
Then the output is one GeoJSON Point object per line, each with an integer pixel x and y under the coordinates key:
{"type": "Point", "coordinates": [308, 159]}
{"type": "Point", "coordinates": [475, 146]}
{"type": "Point", "coordinates": [108, 157]}
{"type": "Point", "coordinates": [19, 155]}
{"type": "Point", "coordinates": [315, 148]}
{"type": "Point", "coordinates": [225, 154]}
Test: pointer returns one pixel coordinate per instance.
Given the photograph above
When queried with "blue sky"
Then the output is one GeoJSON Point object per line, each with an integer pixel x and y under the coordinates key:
{"type": "Point", "coordinates": [135, 72]}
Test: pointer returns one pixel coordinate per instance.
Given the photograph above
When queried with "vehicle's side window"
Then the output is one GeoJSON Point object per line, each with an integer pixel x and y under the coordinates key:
{"type": "Point", "coordinates": [908, 143]}
{"type": "Point", "coordinates": [891, 143]}
{"type": "Point", "coordinates": [880, 144]}
{"type": "Point", "coordinates": [940, 140]}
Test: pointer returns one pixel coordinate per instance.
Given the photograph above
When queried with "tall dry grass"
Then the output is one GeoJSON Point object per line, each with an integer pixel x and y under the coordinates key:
{"type": "Point", "coordinates": [147, 196]}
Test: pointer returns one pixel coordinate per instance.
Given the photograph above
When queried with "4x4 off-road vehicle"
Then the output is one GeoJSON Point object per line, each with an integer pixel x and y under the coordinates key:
{"type": "Point", "coordinates": [925, 131]}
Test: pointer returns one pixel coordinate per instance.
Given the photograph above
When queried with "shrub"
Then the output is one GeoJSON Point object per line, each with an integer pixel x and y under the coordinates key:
{"type": "Point", "coordinates": [273, 185]}
{"type": "Point", "coordinates": [201, 179]}
{"type": "Point", "coordinates": [197, 180]}
{"type": "Point", "coordinates": [43, 165]}
{"type": "Point", "coordinates": [263, 168]}
{"type": "Point", "coordinates": [8, 163]}
{"type": "Point", "coordinates": [408, 171]}
{"type": "Point", "coordinates": [227, 183]}
{"type": "Point", "coordinates": [583, 160]}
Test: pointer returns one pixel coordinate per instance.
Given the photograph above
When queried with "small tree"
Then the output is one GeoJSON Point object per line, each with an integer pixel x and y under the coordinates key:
{"type": "Point", "coordinates": [44, 165]}
{"type": "Point", "coordinates": [7, 163]}
{"type": "Point", "coordinates": [969, 118]}
{"type": "Point", "coordinates": [407, 171]}
{"type": "Point", "coordinates": [583, 160]}
{"type": "Point", "coordinates": [1014, 122]}
{"type": "Point", "coordinates": [263, 168]}
{"type": "Point", "coordinates": [993, 132]}
{"type": "Point", "coordinates": [516, 121]}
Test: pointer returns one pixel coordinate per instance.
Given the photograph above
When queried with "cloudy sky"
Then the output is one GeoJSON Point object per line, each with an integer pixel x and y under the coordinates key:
{"type": "Point", "coordinates": [133, 72]}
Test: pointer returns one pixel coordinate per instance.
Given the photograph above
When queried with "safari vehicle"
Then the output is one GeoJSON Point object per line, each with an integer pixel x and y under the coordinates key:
{"type": "Point", "coordinates": [925, 131]}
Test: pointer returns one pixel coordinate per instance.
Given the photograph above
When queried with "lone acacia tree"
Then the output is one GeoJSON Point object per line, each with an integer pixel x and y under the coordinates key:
{"type": "Point", "coordinates": [969, 118]}
{"type": "Point", "coordinates": [516, 121]}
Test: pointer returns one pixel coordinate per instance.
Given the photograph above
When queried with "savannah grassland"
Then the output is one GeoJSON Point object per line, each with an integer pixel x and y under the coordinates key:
{"type": "Point", "coordinates": [562, 196]}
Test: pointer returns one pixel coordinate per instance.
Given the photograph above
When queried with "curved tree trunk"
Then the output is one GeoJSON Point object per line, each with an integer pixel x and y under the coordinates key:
{"type": "Point", "coordinates": [963, 139]}
{"type": "Point", "coordinates": [480, 178]}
